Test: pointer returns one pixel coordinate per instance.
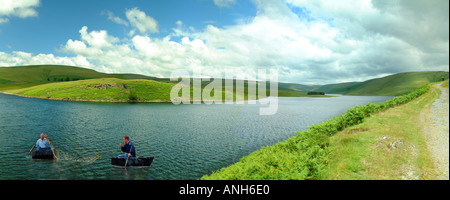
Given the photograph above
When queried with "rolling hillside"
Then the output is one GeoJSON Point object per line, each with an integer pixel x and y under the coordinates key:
{"type": "Point", "coordinates": [55, 73]}
{"type": "Point", "coordinates": [101, 90]}
{"type": "Point", "coordinates": [27, 76]}
{"type": "Point", "coordinates": [393, 85]}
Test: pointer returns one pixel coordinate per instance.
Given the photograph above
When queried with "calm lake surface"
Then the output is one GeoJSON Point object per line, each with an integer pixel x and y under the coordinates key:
{"type": "Point", "coordinates": [187, 141]}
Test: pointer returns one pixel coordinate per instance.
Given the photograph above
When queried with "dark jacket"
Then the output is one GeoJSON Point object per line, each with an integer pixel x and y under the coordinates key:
{"type": "Point", "coordinates": [126, 148]}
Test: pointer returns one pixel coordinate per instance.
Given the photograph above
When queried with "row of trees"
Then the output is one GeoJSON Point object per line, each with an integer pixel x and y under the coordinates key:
{"type": "Point", "coordinates": [63, 78]}
{"type": "Point", "coordinates": [316, 93]}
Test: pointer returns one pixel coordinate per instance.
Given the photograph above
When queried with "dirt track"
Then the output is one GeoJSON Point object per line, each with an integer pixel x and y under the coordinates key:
{"type": "Point", "coordinates": [437, 133]}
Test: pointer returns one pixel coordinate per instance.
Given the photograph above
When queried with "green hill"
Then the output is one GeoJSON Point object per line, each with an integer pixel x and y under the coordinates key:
{"type": "Point", "coordinates": [26, 76]}
{"type": "Point", "coordinates": [80, 84]}
{"type": "Point", "coordinates": [393, 85]}
{"type": "Point", "coordinates": [47, 73]}
{"type": "Point", "coordinates": [101, 90]}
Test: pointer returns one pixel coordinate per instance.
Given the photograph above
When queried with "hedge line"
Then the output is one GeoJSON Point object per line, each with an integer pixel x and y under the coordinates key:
{"type": "Point", "coordinates": [304, 156]}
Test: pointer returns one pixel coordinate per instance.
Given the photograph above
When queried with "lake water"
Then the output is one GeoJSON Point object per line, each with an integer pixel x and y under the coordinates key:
{"type": "Point", "coordinates": [187, 141]}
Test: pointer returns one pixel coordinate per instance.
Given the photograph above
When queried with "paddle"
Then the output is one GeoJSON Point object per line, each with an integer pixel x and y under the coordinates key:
{"type": "Point", "coordinates": [126, 162]}
{"type": "Point", "coordinates": [32, 149]}
{"type": "Point", "coordinates": [51, 147]}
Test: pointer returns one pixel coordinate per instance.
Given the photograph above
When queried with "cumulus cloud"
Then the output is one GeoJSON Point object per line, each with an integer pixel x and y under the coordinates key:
{"type": "Point", "coordinates": [138, 19]}
{"type": "Point", "coordinates": [388, 36]}
{"type": "Point", "coordinates": [17, 8]}
{"type": "Point", "coordinates": [23, 58]}
{"type": "Point", "coordinates": [114, 18]}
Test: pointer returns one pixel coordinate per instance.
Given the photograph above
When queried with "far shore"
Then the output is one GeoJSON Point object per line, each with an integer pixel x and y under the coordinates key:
{"type": "Point", "coordinates": [128, 101]}
{"type": "Point", "coordinates": [90, 100]}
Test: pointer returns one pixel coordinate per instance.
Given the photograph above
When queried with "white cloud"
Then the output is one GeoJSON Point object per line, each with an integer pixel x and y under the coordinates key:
{"type": "Point", "coordinates": [22, 58]}
{"type": "Point", "coordinates": [138, 19]}
{"type": "Point", "coordinates": [98, 39]}
{"type": "Point", "coordinates": [423, 24]}
{"type": "Point", "coordinates": [17, 8]}
{"type": "Point", "coordinates": [144, 45]}
{"type": "Point", "coordinates": [114, 18]}
{"type": "Point", "coordinates": [4, 20]}
{"type": "Point", "coordinates": [224, 3]}
{"type": "Point", "coordinates": [311, 42]}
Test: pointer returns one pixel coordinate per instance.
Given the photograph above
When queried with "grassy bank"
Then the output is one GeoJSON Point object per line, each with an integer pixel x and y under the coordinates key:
{"type": "Point", "coordinates": [305, 156]}
{"type": "Point", "coordinates": [389, 145]}
{"type": "Point", "coordinates": [445, 84]}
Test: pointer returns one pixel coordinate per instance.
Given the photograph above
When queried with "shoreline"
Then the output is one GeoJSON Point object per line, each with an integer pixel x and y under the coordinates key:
{"type": "Point", "coordinates": [119, 101]}
{"type": "Point", "coordinates": [140, 101]}
{"type": "Point", "coordinates": [87, 100]}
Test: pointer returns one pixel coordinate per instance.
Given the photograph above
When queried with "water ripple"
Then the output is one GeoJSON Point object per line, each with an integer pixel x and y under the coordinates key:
{"type": "Point", "coordinates": [187, 141]}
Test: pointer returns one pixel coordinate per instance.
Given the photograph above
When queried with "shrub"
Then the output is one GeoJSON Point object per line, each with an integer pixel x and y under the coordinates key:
{"type": "Point", "coordinates": [132, 96]}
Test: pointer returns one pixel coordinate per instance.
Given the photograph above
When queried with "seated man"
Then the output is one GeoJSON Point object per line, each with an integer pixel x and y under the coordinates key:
{"type": "Point", "coordinates": [128, 148]}
{"type": "Point", "coordinates": [42, 143]}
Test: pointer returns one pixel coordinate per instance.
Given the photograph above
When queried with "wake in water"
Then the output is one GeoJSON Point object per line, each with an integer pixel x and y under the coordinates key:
{"type": "Point", "coordinates": [77, 155]}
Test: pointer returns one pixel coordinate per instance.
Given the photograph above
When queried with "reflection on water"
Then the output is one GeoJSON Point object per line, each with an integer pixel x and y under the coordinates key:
{"type": "Point", "coordinates": [187, 141]}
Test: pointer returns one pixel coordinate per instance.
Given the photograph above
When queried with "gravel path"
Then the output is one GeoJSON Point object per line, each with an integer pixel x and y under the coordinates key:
{"type": "Point", "coordinates": [437, 133]}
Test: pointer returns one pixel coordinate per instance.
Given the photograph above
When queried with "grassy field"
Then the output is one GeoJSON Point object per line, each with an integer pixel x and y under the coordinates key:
{"type": "Point", "coordinates": [57, 73]}
{"type": "Point", "coordinates": [445, 84]}
{"type": "Point", "coordinates": [101, 90]}
{"type": "Point", "coordinates": [309, 154]}
{"type": "Point", "coordinates": [388, 145]}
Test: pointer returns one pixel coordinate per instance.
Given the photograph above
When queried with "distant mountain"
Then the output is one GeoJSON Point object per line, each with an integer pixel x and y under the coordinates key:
{"type": "Point", "coordinates": [393, 85]}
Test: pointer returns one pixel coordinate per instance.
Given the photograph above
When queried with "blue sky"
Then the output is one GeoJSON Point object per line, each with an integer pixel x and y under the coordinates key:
{"type": "Point", "coordinates": [59, 20]}
{"type": "Point", "coordinates": [307, 41]}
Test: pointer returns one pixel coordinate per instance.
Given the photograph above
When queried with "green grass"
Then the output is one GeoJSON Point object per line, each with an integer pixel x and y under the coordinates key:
{"type": "Point", "coordinates": [297, 94]}
{"type": "Point", "coordinates": [3, 81]}
{"type": "Point", "coordinates": [57, 73]}
{"type": "Point", "coordinates": [366, 151]}
{"type": "Point", "coordinates": [107, 90]}
{"type": "Point", "coordinates": [6, 87]}
{"type": "Point", "coordinates": [41, 73]}
{"type": "Point", "coordinates": [445, 84]}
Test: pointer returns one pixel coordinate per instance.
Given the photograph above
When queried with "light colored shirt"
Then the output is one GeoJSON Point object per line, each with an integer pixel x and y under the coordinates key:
{"type": "Point", "coordinates": [42, 144]}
